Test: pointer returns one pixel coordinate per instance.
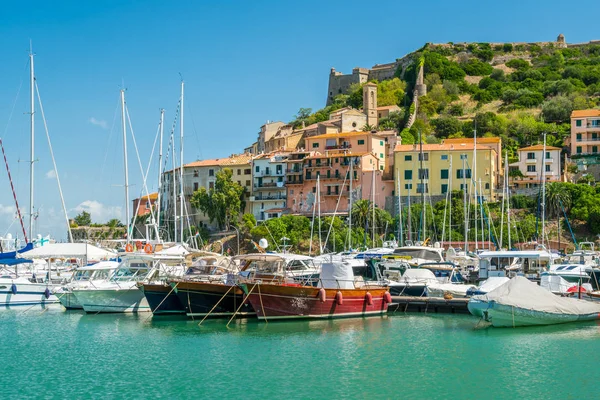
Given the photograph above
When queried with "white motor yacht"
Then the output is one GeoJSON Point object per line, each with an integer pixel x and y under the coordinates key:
{"type": "Point", "coordinates": [84, 277]}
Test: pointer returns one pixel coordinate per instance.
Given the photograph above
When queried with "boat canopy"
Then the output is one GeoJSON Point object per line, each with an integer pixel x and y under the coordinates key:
{"type": "Point", "coordinates": [534, 254]}
{"type": "Point", "coordinates": [14, 261]}
{"type": "Point", "coordinates": [13, 254]}
{"type": "Point", "coordinates": [69, 250]}
{"type": "Point", "coordinates": [520, 292]}
{"type": "Point", "coordinates": [337, 275]}
{"type": "Point", "coordinates": [418, 273]}
{"type": "Point", "coordinates": [100, 266]}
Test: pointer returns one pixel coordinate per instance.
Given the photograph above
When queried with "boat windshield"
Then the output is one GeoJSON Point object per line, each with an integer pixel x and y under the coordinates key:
{"type": "Point", "coordinates": [83, 275]}
{"type": "Point", "coordinates": [262, 266]}
{"type": "Point", "coordinates": [101, 274]}
{"type": "Point", "coordinates": [418, 253]}
{"type": "Point", "coordinates": [132, 271]}
{"type": "Point", "coordinates": [300, 265]}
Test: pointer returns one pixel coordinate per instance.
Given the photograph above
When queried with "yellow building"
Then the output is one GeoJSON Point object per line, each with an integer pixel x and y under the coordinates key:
{"type": "Point", "coordinates": [446, 167]}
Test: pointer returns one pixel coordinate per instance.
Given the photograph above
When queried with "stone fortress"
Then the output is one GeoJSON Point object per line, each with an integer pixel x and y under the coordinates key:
{"type": "Point", "coordinates": [340, 83]}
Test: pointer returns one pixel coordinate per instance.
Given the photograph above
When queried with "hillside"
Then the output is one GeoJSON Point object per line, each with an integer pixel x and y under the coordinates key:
{"type": "Point", "coordinates": [515, 91]}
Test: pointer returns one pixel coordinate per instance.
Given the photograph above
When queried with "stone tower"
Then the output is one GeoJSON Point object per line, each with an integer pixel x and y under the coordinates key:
{"type": "Point", "coordinates": [370, 103]}
{"type": "Point", "coordinates": [560, 41]}
{"type": "Point", "coordinates": [420, 86]}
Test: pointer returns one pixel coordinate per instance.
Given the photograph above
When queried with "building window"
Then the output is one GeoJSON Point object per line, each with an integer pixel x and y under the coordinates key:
{"type": "Point", "coordinates": [408, 174]}
{"type": "Point", "coordinates": [547, 167]}
{"type": "Point", "coordinates": [195, 173]}
{"type": "Point", "coordinates": [579, 137]}
{"type": "Point", "coordinates": [487, 186]}
{"type": "Point", "coordinates": [408, 186]}
{"type": "Point", "coordinates": [444, 174]}
{"type": "Point", "coordinates": [463, 156]}
{"type": "Point", "coordinates": [578, 149]}
{"type": "Point", "coordinates": [444, 188]}
{"type": "Point", "coordinates": [578, 122]}
{"type": "Point", "coordinates": [424, 173]}
{"type": "Point", "coordinates": [361, 141]}
{"type": "Point", "coordinates": [239, 171]}
{"type": "Point", "coordinates": [422, 188]}
{"type": "Point", "coordinates": [211, 172]}
{"type": "Point", "coordinates": [195, 186]}
{"type": "Point", "coordinates": [407, 158]}
{"type": "Point", "coordinates": [381, 142]}
{"type": "Point", "coordinates": [380, 155]}
{"type": "Point", "coordinates": [257, 169]}
{"type": "Point", "coordinates": [594, 149]}
{"type": "Point", "coordinates": [531, 156]}
{"type": "Point", "coordinates": [594, 135]}
{"type": "Point", "coordinates": [247, 183]}
{"type": "Point", "coordinates": [547, 155]}
{"type": "Point", "coordinates": [211, 185]}
{"type": "Point", "coordinates": [315, 145]}
{"type": "Point", "coordinates": [278, 169]}
{"type": "Point", "coordinates": [315, 189]}
{"type": "Point", "coordinates": [248, 171]}
{"type": "Point", "coordinates": [467, 173]}
{"type": "Point", "coordinates": [531, 168]}
{"type": "Point", "coordinates": [308, 175]}
{"type": "Point", "coordinates": [425, 156]}
{"type": "Point", "coordinates": [444, 156]}
{"type": "Point", "coordinates": [291, 191]}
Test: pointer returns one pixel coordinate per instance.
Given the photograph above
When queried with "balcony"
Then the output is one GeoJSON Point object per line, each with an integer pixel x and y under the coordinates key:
{"type": "Point", "coordinates": [262, 197]}
{"type": "Point", "coordinates": [295, 171]}
{"type": "Point", "coordinates": [269, 185]}
{"type": "Point", "coordinates": [268, 172]}
{"type": "Point", "coordinates": [588, 139]}
{"type": "Point", "coordinates": [341, 146]}
{"type": "Point", "coordinates": [531, 161]}
{"type": "Point", "coordinates": [296, 182]}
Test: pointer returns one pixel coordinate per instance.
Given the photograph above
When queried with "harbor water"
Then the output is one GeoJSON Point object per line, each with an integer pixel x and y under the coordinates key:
{"type": "Point", "coordinates": [52, 353]}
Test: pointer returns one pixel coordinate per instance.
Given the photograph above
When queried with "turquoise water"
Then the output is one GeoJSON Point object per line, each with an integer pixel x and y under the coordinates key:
{"type": "Point", "coordinates": [56, 354]}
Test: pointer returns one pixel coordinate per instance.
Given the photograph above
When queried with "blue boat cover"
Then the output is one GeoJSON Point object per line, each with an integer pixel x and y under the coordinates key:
{"type": "Point", "coordinates": [13, 254]}
{"type": "Point", "coordinates": [14, 261]}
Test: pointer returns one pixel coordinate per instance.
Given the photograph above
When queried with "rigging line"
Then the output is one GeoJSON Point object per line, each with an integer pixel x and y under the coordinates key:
{"type": "Point", "coordinates": [191, 115]}
{"type": "Point", "coordinates": [144, 186]}
{"type": "Point", "coordinates": [14, 193]}
{"type": "Point", "coordinates": [336, 206]}
{"type": "Point", "coordinates": [110, 135]}
{"type": "Point", "coordinates": [62, 198]}
{"type": "Point", "coordinates": [12, 110]}
{"type": "Point", "coordinates": [171, 136]}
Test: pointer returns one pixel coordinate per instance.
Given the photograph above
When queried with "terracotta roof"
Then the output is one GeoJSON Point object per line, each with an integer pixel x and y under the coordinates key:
{"type": "Point", "coordinates": [353, 112]}
{"type": "Point", "coordinates": [235, 160]}
{"type": "Point", "coordinates": [151, 196]}
{"type": "Point", "coordinates": [438, 147]}
{"type": "Point", "coordinates": [470, 140]}
{"type": "Point", "coordinates": [342, 135]}
{"type": "Point", "coordinates": [539, 147]}
{"type": "Point", "coordinates": [392, 107]}
{"type": "Point", "coordinates": [585, 113]}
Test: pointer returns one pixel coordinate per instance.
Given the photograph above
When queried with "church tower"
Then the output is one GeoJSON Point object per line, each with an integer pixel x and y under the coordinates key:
{"type": "Point", "coordinates": [370, 103]}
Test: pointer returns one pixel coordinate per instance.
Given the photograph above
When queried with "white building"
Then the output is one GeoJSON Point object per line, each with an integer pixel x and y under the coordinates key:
{"type": "Point", "coordinates": [268, 199]}
{"type": "Point", "coordinates": [532, 162]}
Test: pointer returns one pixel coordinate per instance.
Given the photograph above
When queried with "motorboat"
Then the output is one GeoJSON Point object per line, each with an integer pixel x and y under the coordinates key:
{"type": "Point", "coordinates": [84, 277]}
{"type": "Point", "coordinates": [510, 263]}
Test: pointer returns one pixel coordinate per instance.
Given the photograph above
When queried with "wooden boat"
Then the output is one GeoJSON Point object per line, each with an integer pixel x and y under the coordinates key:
{"type": "Point", "coordinates": [338, 294]}
{"type": "Point", "coordinates": [215, 298]}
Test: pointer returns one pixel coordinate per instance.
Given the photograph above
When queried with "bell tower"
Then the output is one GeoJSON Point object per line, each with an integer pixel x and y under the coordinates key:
{"type": "Point", "coordinates": [370, 103]}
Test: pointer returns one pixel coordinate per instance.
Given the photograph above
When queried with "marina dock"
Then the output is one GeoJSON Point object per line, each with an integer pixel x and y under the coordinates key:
{"type": "Point", "coordinates": [428, 304]}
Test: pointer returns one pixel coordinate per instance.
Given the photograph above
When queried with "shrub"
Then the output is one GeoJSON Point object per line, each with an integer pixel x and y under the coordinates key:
{"type": "Point", "coordinates": [518, 64]}
{"type": "Point", "coordinates": [456, 109]}
{"type": "Point", "coordinates": [508, 47]}
{"type": "Point", "coordinates": [557, 109]}
{"type": "Point", "coordinates": [475, 67]}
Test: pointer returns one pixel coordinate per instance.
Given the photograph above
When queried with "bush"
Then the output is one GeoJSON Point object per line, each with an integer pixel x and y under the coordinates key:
{"type": "Point", "coordinates": [456, 109]}
{"type": "Point", "coordinates": [475, 67]}
{"type": "Point", "coordinates": [498, 75]}
{"type": "Point", "coordinates": [446, 126]}
{"type": "Point", "coordinates": [557, 109]}
{"type": "Point", "coordinates": [446, 69]}
{"type": "Point", "coordinates": [520, 201]}
{"type": "Point", "coordinates": [518, 63]}
{"type": "Point", "coordinates": [508, 47]}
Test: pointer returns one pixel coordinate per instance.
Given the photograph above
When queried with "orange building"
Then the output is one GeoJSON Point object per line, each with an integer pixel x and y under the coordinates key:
{"type": "Point", "coordinates": [329, 159]}
{"type": "Point", "coordinates": [146, 203]}
{"type": "Point", "coordinates": [585, 132]}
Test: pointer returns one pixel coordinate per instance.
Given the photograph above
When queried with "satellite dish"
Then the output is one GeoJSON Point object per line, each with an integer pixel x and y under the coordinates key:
{"type": "Point", "coordinates": [263, 243]}
{"type": "Point", "coordinates": [436, 245]}
{"type": "Point", "coordinates": [9, 236]}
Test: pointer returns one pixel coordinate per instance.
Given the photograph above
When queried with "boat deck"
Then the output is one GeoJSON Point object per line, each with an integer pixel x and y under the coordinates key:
{"type": "Point", "coordinates": [428, 304]}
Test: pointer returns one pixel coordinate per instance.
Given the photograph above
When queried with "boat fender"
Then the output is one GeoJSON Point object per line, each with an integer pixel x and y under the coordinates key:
{"type": "Point", "coordinates": [129, 248]}
{"type": "Point", "coordinates": [322, 295]}
{"type": "Point", "coordinates": [13, 288]}
{"type": "Point", "coordinates": [148, 248]}
{"type": "Point", "coordinates": [387, 297]}
{"type": "Point", "coordinates": [369, 299]}
{"type": "Point", "coordinates": [47, 293]}
{"type": "Point", "coordinates": [339, 299]}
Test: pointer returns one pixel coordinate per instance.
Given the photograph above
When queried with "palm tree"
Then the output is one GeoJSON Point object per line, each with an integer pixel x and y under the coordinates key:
{"type": "Point", "coordinates": [361, 212]}
{"type": "Point", "coordinates": [557, 199]}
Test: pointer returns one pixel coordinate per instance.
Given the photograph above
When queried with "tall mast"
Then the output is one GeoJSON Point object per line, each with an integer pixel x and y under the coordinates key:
{"type": "Point", "coordinates": [174, 164]}
{"type": "Point", "coordinates": [464, 174]}
{"type": "Point", "coordinates": [400, 233]}
{"type": "Point", "coordinates": [409, 216]}
{"type": "Point", "coordinates": [181, 197]}
{"type": "Point", "coordinates": [160, 171]}
{"type": "Point", "coordinates": [543, 203]}
{"type": "Point", "coordinates": [507, 198]}
{"type": "Point", "coordinates": [319, 215]}
{"type": "Point", "coordinates": [127, 215]}
{"type": "Point", "coordinates": [422, 173]}
{"type": "Point", "coordinates": [350, 207]}
{"type": "Point", "coordinates": [32, 159]}
{"type": "Point", "coordinates": [474, 181]}
{"type": "Point", "coordinates": [373, 200]}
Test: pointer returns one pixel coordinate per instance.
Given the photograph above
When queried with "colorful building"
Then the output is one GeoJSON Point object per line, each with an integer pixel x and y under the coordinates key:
{"type": "Point", "coordinates": [585, 132]}
{"type": "Point", "coordinates": [445, 167]}
{"type": "Point", "coordinates": [268, 199]}
{"type": "Point", "coordinates": [328, 161]}
{"type": "Point", "coordinates": [532, 162]}
{"type": "Point", "coordinates": [145, 204]}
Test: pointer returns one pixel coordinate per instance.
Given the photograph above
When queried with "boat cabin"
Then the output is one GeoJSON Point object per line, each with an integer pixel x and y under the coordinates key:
{"type": "Point", "coordinates": [512, 263]}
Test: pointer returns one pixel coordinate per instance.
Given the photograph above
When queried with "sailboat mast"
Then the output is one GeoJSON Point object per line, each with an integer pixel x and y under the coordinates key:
{"type": "Point", "coordinates": [127, 215]}
{"type": "Point", "coordinates": [464, 174]}
{"type": "Point", "coordinates": [373, 206]}
{"type": "Point", "coordinates": [160, 171]}
{"type": "Point", "coordinates": [181, 197]}
{"type": "Point", "coordinates": [422, 175]}
{"type": "Point", "coordinates": [400, 233]}
{"type": "Point", "coordinates": [174, 164]}
{"type": "Point", "coordinates": [32, 126]}
{"type": "Point", "coordinates": [350, 208]}
{"type": "Point", "coordinates": [507, 198]}
{"type": "Point", "coordinates": [543, 203]}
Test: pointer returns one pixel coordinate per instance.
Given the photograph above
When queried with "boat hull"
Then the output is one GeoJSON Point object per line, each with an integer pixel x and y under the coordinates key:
{"type": "Point", "coordinates": [162, 299]}
{"type": "Point", "coordinates": [69, 300]}
{"type": "Point", "coordinates": [477, 307]}
{"type": "Point", "coordinates": [200, 299]}
{"type": "Point", "coordinates": [415, 290]}
{"type": "Point", "coordinates": [127, 300]}
{"type": "Point", "coordinates": [507, 316]}
{"type": "Point", "coordinates": [288, 302]}
{"type": "Point", "coordinates": [25, 294]}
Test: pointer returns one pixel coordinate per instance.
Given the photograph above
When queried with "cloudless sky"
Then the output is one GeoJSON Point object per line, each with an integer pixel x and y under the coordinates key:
{"type": "Point", "coordinates": [243, 62]}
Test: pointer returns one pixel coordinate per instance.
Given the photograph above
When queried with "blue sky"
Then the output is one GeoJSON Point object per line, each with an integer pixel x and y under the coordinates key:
{"type": "Point", "coordinates": [244, 62]}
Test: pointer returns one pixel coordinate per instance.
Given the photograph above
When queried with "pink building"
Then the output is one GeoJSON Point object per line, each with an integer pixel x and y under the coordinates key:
{"type": "Point", "coordinates": [329, 159]}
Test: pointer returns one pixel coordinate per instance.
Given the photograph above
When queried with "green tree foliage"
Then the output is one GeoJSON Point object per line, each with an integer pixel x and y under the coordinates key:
{"type": "Point", "coordinates": [83, 219]}
{"type": "Point", "coordinates": [222, 203]}
{"type": "Point", "coordinates": [557, 109]}
{"type": "Point", "coordinates": [476, 67]}
{"type": "Point", "coordinates": [446, 69]}
{"type": "Point", "coordinates": [446, 126]}
{"type": "Point", "coordinates": [390, 92]}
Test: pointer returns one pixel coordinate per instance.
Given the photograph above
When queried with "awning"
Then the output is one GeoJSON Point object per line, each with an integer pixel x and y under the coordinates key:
{"type": "Point", "coordinates": [69, 250]}
{"type": "Point", "coordinates": [14, 261]}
